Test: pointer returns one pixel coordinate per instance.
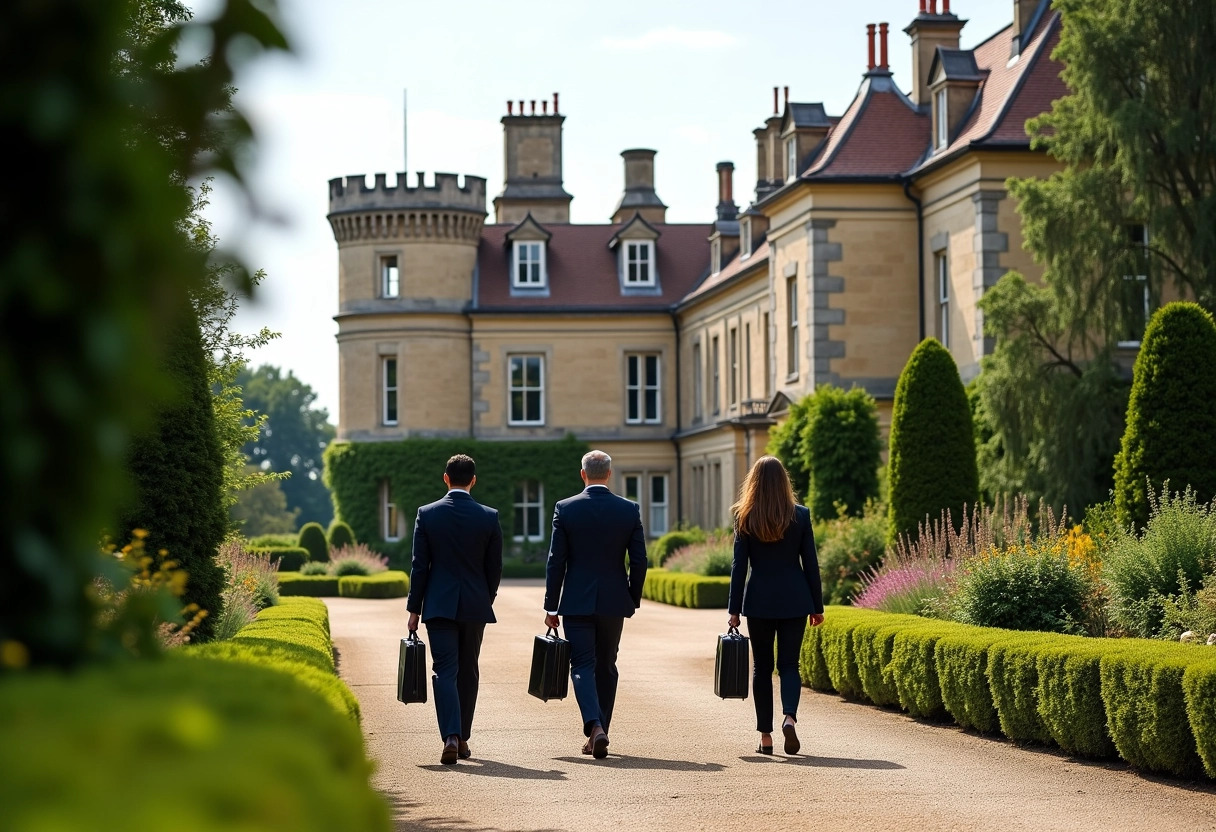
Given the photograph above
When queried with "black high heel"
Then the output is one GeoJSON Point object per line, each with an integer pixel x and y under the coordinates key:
{"type": "Point", "coordinates": [764, 749]}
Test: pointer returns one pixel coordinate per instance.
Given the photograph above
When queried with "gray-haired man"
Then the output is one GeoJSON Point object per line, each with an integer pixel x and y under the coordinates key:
{"type": "Point", "coordinates": [586, 581]}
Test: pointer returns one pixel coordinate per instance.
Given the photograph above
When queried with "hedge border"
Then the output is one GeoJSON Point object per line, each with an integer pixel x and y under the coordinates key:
{"type": "Point", "coordinates": [390, 584]}
{"type": "Point", "coordinates": [683, 589]}
{"type": "Point", "coordinates": [1150, 703]}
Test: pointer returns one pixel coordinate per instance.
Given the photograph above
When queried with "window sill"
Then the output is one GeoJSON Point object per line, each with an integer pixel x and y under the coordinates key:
{"type": "Point", "coordinates": [511, 424]}
{"type": "Point", "coordinates": [791, 377]}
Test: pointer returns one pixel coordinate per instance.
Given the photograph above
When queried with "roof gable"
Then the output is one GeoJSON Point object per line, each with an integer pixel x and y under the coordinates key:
{"type": "Point", "coordinates": [528, 229]}
{"type": "Point", "coordinates": [635, 229]}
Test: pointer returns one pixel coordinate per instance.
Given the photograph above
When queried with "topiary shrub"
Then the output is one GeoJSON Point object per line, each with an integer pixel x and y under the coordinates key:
{"type": "Point", "coordinates": [289, 558]}
{"type": "Point", "coordinates": [1070, 695]}
{"type": "Point", "coordinates": [340, 534]}
{"type": "Point", "coordinates": [391, 584]}
{"type": "Point", "coordinates": [961, 661]}
{"type": "Point", "coordinates": [1199, 687]}
{"type": "Point", "coordinates": [1013, 676]}
{"type": "Point", "coordinates": [931, 465]}
{"type": "Point", "coordinates": [1171, 415]}
{"type": "Point", "coordinates": [673, 541]}
{"type": "Point", "coordinates": [177, 470]}
{"type": "Point", "coordinates": [312, 538]}
{"type": "Point", "coordinates": [873, 642]}
{"type": "Point", "coordinates": [686, 590]}
{"type": "Point", "coordinates": [841, 450]}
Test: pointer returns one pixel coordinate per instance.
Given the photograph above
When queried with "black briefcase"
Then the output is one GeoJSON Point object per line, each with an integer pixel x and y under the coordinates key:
{"type": "Point", "coordinates": [411, 670]}
{"type": "Point", "coordinates": [550, 677]}
{"type": "Point", "coordinates": [733, 666]}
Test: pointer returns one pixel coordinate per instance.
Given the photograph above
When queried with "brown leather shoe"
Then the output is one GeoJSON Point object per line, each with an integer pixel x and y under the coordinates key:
{"type": "Point", "coordinates": [451, 750]}
{"type": "Point", "coordinates": [465, 753]}
{"type": "Point", "coordinates": [791, 738]}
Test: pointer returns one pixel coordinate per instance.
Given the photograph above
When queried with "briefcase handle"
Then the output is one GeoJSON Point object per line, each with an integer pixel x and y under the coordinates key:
{"type": "Point", "coordinates": [413, 636]}
{"type": "Point", "coordinates": [733, 631]}
{"type": "Point", "coordinates": [550, 632]}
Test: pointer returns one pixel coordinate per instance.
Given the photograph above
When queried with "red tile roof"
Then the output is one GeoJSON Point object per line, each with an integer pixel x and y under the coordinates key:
{"type": "Point", "coordinates": [736, 267]}
{"type": "Point", "coordinates": [582, 270]}
{"type": "Point", "coordinates": [881, 135]}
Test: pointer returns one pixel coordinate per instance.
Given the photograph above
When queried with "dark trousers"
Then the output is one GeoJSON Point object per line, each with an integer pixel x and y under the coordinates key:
{"type": "Point", "coordinates": [594, 640]}
{"type": "Point", "coordinates": [455, 648]}
{"type": "Point", "coordinates": [788, 634]}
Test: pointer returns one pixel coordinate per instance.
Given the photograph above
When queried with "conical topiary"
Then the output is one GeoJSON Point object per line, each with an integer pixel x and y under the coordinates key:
{"type": "Point", "coordinates": [931, 465]}
{"type": "Point", "coordinates": [1171, 414]}
{"type": "Point", "coordinates": [340, 534]}
{"type": "Point", "coordinates": [842, 450]}
{"type": "Point", "coordinates": [312, 538]}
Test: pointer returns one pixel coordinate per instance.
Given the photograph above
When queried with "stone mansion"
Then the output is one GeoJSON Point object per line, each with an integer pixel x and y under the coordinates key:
{"type": "Point", "coordinates": [675, 347]}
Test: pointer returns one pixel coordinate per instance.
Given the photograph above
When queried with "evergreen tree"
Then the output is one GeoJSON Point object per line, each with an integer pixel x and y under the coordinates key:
{"type": "Point", "coordinates": [178, 473]}
{"type": "Point", "coordinates": [841, 449]}
{"type": "Point", "coordinates": [931, 464]}
{"type": "Point", "coordinates": [1171, 417]}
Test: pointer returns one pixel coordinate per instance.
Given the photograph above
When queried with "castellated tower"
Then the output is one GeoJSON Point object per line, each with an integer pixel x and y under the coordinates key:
{"type": "Point", "coordinates": [406, 258]}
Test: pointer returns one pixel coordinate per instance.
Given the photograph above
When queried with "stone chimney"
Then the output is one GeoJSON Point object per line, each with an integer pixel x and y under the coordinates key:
{"type": "Point", "coordinates": [639, 196]}
{"type": "Point", "coordinates": [929, 30]}
{"type": "Point", "coordinates": [727, 209]}
{"type": "Point", "coordinates": [532, 160]}
{"type": "Point", "coordinates": [1025, 15]}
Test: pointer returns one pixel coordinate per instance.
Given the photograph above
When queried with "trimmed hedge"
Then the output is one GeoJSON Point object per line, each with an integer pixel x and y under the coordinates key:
{"type": "Point", "coordinates": [390, 584]}
{"type": "Point", "coordinates": [340, 534]}
{"type": "Point", "coordinates": [290, 558]}
{"type": "Point", "coordinates": [686, 590]}
{"type": "Point", "coordinates": [516, 568]}
{"type": "Point", "coordinates": [1152, 703]}
{"type": "Point", "coordinates": [244, 741]}
{"type": "Point", "coordinates": [313, 540]}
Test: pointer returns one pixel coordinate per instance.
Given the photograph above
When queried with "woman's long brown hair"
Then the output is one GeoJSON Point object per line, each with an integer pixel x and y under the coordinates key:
{"type": "Point", "coordinates": [766, 501]}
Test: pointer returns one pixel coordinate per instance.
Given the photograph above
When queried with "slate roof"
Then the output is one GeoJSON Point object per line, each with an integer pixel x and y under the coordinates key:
{"type": "Point", "coordinates": [733, 269]}
{"type": "Point", "coordinates": [583, 271]}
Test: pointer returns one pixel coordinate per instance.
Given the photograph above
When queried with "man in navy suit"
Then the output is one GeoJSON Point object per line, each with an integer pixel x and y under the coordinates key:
{"type": "Point", "coordinates": [586, 581]}
{"type": "Point", "coordinates": [457, 566]}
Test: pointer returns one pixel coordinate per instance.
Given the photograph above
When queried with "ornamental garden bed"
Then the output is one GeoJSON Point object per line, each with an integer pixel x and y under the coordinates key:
{"type": "Point", "coordinates": [1150, 703]}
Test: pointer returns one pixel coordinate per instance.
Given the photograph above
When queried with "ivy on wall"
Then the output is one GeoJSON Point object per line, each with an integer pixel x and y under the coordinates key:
{"type": "Point", "coordinates": [356, 471]}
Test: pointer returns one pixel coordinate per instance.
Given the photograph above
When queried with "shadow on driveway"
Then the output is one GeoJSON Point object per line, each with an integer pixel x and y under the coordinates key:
{"type": "Point", "coordinates": [489, 768]}
{"type": "Point", "coordinates": [643, 763]}
{"type": "Point", "coordinates": [822, 762]}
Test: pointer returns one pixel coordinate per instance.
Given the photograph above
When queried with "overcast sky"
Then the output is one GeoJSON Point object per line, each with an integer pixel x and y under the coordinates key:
{"type": "Point", "coordinates": [691, 80]}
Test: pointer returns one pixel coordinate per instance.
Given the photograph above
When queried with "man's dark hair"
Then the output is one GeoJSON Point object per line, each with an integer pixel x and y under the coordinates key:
{"type": "Point", "coordinates": [460, 470]}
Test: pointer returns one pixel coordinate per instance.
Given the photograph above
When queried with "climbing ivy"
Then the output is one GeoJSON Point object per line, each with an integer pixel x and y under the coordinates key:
{"type": "Point", "coordinates": [355, 472]}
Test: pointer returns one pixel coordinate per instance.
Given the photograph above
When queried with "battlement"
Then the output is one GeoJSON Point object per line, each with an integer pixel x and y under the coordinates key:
{"type": "Point", "coordinates": [446, 194]}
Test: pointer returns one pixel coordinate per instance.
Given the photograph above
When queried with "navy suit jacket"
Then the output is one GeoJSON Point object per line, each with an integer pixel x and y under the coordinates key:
{"type": "Point", "coordinates": [592, 534]}
{"type": "Point", "coordinates": [784, 581]}
{"type": "Point", "coordinates": [457, 562]}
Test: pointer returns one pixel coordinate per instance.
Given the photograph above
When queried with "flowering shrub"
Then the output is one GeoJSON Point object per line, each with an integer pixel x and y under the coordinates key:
{"type": "Point", "coordinates": [1042, 585]}
{"type": "Point", "coordinates": [314, 568]}
{"type": "Point", "coordinates": [356, 559]}
{"type": "Point", "coordinates": [250, 584]}
{"type": "Point", "coordinates": [713, 557]}
{"type": "Point", "coordinates": [848, 548]}
{"type": "Point", "coordinates": [911, 587]}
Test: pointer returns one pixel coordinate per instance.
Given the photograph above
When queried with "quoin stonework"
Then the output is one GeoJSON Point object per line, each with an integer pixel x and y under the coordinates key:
{"type": "Point", "coordinates": [675, 347]}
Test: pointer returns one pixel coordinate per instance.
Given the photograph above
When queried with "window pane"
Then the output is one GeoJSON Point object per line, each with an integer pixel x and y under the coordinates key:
{"type": "Point", "coordinates": [632, 406]}
{"type": "Point", "coordinates": [652, 370]}
{"type": "Point", "coordinates": [532, 371]}
{"type": "Point", "coordinates": [517, 406]}
{"type": "Point", "coordinates": [533, 410]}
{"type": "Point", "coordinates": [632, 362]}
{"type": "Point", "coordinates": [658, 520]}
{"type": "Point", "coordinates": [533, 513]}
{"type": "Point", "coordinates": [521, 527]}
{"type": "Point", "coordinates": [652, 404]}
{"type": "Point", "coordinates": [517, 372]}
{"type": "Point", "coordinates": [390, 406]}
{"type": "Point", "coordinates": [644, 272]}
{"type": "Point", "coordinates": [632, 487]}
{"type": "Point", "coordinates": [390, 372]}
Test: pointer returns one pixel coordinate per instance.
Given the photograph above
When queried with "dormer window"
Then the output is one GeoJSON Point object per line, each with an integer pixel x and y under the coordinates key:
{"type": "Point", "coordinates": [638, 263]}
{"type": "Point", "coordinates": [941, 119]}
{"type": "Point", "coordinates": [791, 158]}
{"type": "Point", "coordinates": [745, 239]}
{"type": "Point", "coordinates": [529, 264]}
{"type": "Point", "coordinates": [715, 257]}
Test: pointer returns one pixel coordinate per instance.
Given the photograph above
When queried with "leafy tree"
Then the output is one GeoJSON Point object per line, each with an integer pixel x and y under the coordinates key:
{"type": "Point", "coordinates": [93, 280]}
{"type": "Point", "coordinates": [1171, 417]}
{"type": "Point", "coordinates": [785, 442]}
{"type": "Point", "coordinates": [931, 463]}
{"type": "Point", "coordinates": [841, 450]}
{"type": "Point", "coordinates": [1138, 153]}
{"type": "Point", "coordinates": [262, 509]}
{"type": "Point", "coordinates": [178, 473]}
{"type": "Point", "coordinates": [293, 438]}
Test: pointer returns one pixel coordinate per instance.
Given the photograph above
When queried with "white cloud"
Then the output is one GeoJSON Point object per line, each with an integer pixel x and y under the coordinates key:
{"type": "Point", "coordinates": [672, 36]}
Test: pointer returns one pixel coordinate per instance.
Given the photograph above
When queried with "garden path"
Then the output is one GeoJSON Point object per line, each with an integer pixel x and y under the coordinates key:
{"type": "Point", "coordinates": [681, 759]}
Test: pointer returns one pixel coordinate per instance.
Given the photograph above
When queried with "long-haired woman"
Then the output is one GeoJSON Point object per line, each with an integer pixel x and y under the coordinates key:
{"type": "Point", "coordinates": [773, 537]}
